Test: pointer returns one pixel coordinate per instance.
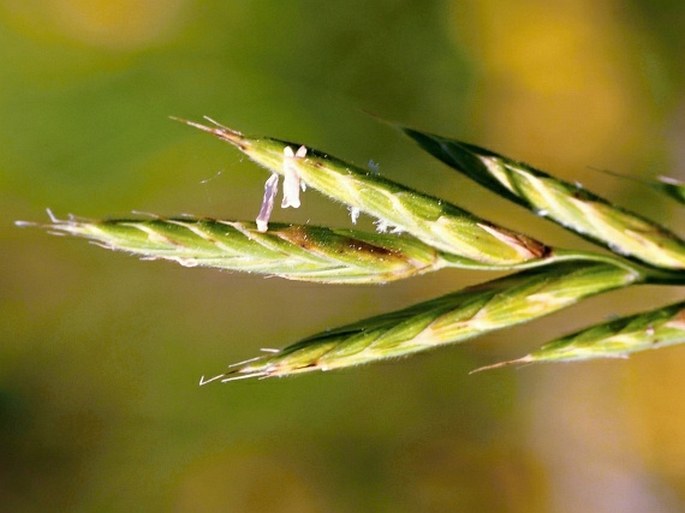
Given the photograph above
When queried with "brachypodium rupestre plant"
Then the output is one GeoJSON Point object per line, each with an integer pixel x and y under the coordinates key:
{"type": "Point", "coordinates": [417, 234]}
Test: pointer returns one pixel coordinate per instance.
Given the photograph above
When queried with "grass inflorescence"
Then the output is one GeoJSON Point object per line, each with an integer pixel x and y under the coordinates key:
{"type": "Point", "coordinates": [418, 233]}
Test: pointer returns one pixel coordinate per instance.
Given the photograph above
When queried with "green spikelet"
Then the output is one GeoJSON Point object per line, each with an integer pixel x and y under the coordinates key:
{"type": "Point", "coordinates": [616, 339]}
{"type": "Point", "coordinates": [295, 252]}
{"type": "Point", "coordinates": [452, 318]}
{"type": "Point", "coordinates": [573, 207]}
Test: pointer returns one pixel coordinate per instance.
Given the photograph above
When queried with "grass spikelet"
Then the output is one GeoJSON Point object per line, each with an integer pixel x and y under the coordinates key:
{"type": "Point", "coordinates": [433, 221]}
{"type": "Point", "coordinates": [615, 339]}
{"type": "Point", "coordinates": [449, 319]}
{"type": "Point", "coordinates": [570, 205]}
{"type": "Point", "coordinates": [290, 251]}
{"type": "Point", "coordinates": [295, 252]}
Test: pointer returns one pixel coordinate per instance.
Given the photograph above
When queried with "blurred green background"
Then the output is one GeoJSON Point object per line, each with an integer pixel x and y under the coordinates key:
{"type": "Point", "coordinates": [100, 353]}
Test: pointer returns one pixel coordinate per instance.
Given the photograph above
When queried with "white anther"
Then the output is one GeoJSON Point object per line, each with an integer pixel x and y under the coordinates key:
{"type": "Point", "coordinates": [354, 214]}
{"type": "Point", "coordinates": [291, 182]}
{"type": "Point", "coordinates": [270, 191]}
